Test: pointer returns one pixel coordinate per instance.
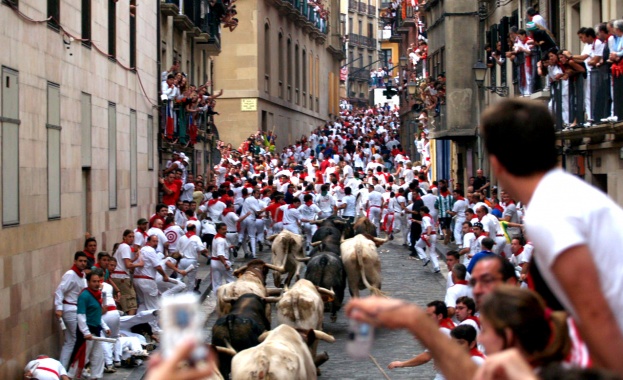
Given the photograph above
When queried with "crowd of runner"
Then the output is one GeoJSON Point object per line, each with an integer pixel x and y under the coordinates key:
{"type": "Point", "coordinates": [350, 167]}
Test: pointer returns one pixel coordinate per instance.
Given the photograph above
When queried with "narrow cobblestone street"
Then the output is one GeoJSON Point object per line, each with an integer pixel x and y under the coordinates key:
{"type": "Point", "coordinates": [402, 278]}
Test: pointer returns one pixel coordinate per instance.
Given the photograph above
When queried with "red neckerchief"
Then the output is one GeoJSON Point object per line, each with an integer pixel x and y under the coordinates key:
{"type": "Point", "coordinates": [447, 323]}
{"type": "Point", "coordinates": [309, 203]}
{"type": "Point", "coordinates": [475, 352]}
{"type": "Point", "coordinates": [143, 232]}
{"type": "Point", "coordinates": [97, 265]}
{"type": "Point", "coordinates": [78, 271]}
{"type": "Point", "coordinates": [475, 319]}
{"type": "Point", "coordinates": [97, 295]}
{"type": "Point", "coordinates": [192, 218]}
{"type": "Point", "coordinates": [89, 255]}
{"type": "Point", "coordinates": [219, 236]}
{"type": "Point", "coordinates": [518, 252]}
{"type": "Point", "coordinates": [228, 210]}
{"type": "Point", "coordinates": [444, 193]}
{"type": "Point", "coordinates": [291, 206]}
{"type": "Point", "coordinates": [190, 234]}
{"type": "Point", "coordinates": [431, 218]}
{"type": "Point", "coordinates": [212, 202]}
{"type": "Point", "coordinates": [460, 198]}
{"type": "Point", "coordinates": [484, 233]}
{"type": "Point", "coordinates": [461, 282]}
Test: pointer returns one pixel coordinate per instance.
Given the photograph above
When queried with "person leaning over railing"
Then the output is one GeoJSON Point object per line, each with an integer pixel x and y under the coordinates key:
{"type": "Point", "coordinates": [616, 57]}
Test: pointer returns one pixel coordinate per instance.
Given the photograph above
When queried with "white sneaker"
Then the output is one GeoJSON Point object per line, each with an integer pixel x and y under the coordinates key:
{"type": "Point", "coordinates": [610, 119]}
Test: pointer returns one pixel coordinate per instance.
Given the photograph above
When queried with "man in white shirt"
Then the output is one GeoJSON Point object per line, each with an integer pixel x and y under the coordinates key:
{"type": "Point", "coordinates": [45, 368]}
{"type": "Point", "coordinates": [374, 207]}
{"type": "Point", "coordinates": [349, 205]}
{"type": "Point", "coordinates": [427, 241]}
{"type": "Point", "coordinates": [309, 211]}
{"type": "Point", "coordinates": [292, 217]}
{"type": "Point", "coordinates": [458, 212]}
{"type": "Point", "coordinates": [325, 202]}
{"type": "Point", "coordinates": [215, 208]}
{"type": "Point", "coordinates": [248, 230]}
{"type": "Point", "coordinates": [145, 276]}
{"type": "Point", "coordinates": [66, 301]}
{"type": "Point", "coordinates": [220, 262]}
{"type": "Point", "coordinates": [172, 234]}
{"type": "Point", "coordinates": [574, 227]}
{"type": "Point", "coordinates": [191, 246]}
{"type": "Point", "coordinates": [592, 53]}
{"type": "Point", "coordinates": [459, 289]}
{"type": "Point", "coordinates": [466, 247]}
{"type": "Point", "coordinates": [429, 200]}
{"type": "Point", "coordinates": [126, 260]}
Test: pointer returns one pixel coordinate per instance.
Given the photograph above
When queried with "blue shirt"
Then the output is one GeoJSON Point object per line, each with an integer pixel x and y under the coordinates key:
{"type": "Point", "coordinates": [478, 256]}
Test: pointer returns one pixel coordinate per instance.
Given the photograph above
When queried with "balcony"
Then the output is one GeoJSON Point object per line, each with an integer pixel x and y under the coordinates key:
{"type": "Point", "coordinates": [353, 5]}
{"type": "Point", "coordinates": [211, 24]}
{"type": "Point", "coordinates": [353, 39]}
{"type": "Point", "coordinates": [358, 74]}
{"type": "Point", "coordinates": [372, 11]}
{"type": "Point", "coordinates": [309, 20]}
{"type": "Point", "coordinates": [409, 21]}
{"type": "Point", "coordinates": [363, 7]}
{"type": "Point", "coordinates": [169, 9]}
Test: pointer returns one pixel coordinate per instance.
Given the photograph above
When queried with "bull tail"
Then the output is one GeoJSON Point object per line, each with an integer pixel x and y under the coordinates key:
{"type": "Point", "coordinates": [373, 289]}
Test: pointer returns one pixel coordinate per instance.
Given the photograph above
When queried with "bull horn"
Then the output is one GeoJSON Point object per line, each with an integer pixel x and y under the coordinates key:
{"type": "Point", "coordinates": [338, 221]}
{"type": "Point", "coordinates": [229, 299]}
{"type": "Point", "coordinates": [316, 243]}
{"type": "Point", "coordinates": [302, 259]}
{"type": "Point", "coordinates": [317, 221]}
{"type": "Point", "coordinates": [272, 299]}
{"type": "Point", "coordinates": [379, 241]}
{"type": "Point", "coordinates": [240, 270]}
{"type": "Point", "coordinates": [324, 336]}
{"type": "Point", "coordinates": [262, 337]}
{"type": "Point", "coordinates": [271, 237]}
{"type": "Point", "coordinates": [227, 351]}
{"type": "Point", "coordinates": [275, 268]}
{"type": "Point", "coordinates": [325, 291]}
{"type": "Point", "coordinates": [342, 239]}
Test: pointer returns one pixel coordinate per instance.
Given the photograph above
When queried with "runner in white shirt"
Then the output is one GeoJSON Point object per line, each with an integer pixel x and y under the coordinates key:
{"type": "Point", "coordinates": [248, 230]}
{"type": "Point", "coordinates": [191, 246]}
{"type": "Point", "coordinates": [325, 202]}
{"type": "Point", "coordinates": [221, 171]}
{"type": "Point", "coordinates": [458, 212]}
{"type": "Point", "coordinates": [375, 208]}
{"type": "Point", "coordinates": [428, 240]}
{"type": "Point", "coordinates": [45, 368]}
{"type": "Point", "coordinates": [459, 289]}
{"type": "Point", "coordinates": [220, 262]}
{"type": "Point", "coordinates": [126, 260]}
{"type": "Point", "coordinates": [66, 301]}
{"type": "Point", "coordinates": [292, 217]}
{"type": "Point", "coordinates": [145, 276]}
{"type": "Point", "coordinates": [349, 205]}
{"type": "Point", "coordinates": [171, 234]}
{"type": "Point", "coordinates": [308, 212]}
{"type": "Point", "coordinates": [215, 209]}
{"type": "Point", "coordinates": [479, 235]}
{"type": "Point", "coordinates": [467, 241]}
{"type": "Point", "coordinates": [174, 285]}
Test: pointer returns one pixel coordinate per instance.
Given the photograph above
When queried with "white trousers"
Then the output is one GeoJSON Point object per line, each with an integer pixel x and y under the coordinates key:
{"type": "Point", "coordinates": [111, 318]}
{"type": "Point", "coordinates": [95, 356]}
{"type": "Point", "coordinates": [71, 323]}
{"type": "Point", "coordinates": [220, 274]}
{"type": "Point", "coordinates": [292, 227]}
{"type": "Point", "coordinates": [374, 214]}
{"type": "Point", "coordinates": [147, 293]}
{"type": "Point", "coordinates": [309, 230]}
{"type": "Point", "coordinates": [174, 285]}
{"type": "Point", "coordinates": [248, 231]}
{"type": "Point", "coordinates": [500, 244]}
{"type": "Point", "coordinates": [458, 230]}
{"type": "Point", "coordinates": [191, 276]}
{"type": "Point", "coordinates": [259, 228]}
{"type": "Point", "coordinates": [587, 96]}
{"type": "Point", "coordinates": [422, 249]}
{"type": "Point", "coordinates": [277, 227]}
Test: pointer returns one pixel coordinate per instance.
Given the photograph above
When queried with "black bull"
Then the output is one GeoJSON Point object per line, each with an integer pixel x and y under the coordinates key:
{"type": "Point", "coordinates": [241, 328]}
{"type": "Point", "coordinates": [325, 269]}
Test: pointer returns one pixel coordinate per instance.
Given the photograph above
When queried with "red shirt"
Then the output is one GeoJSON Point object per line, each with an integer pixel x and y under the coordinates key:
{"type": "Point", "coordinates": [171, 199]}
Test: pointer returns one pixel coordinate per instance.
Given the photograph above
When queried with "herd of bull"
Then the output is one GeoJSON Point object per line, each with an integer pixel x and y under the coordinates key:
{"type": "Point", "coordinates": [246, 345]}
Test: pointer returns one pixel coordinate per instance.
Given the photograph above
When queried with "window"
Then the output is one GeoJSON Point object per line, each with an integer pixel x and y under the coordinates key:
{"type": "Point", "coordinates": [133, 34]}
{"type": "Point", "coordinates": [9, 121]}
{"type": "Point", "coordinates": [281, 65]}
{"type": "Point", "coordinates": [86, 23]}
{"type": "Point", "coordinates": [297, 73]}
{"type": "Point", "coordinates": [112, 156]}
{"type": "Point", "coordinates": [267, 58]}
{"type": "Point", "coordinates": [370, 30]}
{"type": "Point", "coordinates": [386, 55]}
{"type": "Point", "coordinates": [53, 126]}
{"type": "Point", "coordinates": [54, 11]}
{"type": "Point", "coordinates": [289, 70]}
{"type": "Point", "coordinates": [85, 127]}
{"type": "Point", "coordinates": [360, 27]}
{"type": "Point", "coordinates": [350, 25]}
{"type": "Point", "coordinates": [305, 73]}
{"type": "Point", "coordinates": [317, 83]}
{"type": "Point", "coordinates": [133, 160]}
{"type": "Point", "coordinates": [150, 142]}
{"type": "Point", "coordinates": [112, 28]}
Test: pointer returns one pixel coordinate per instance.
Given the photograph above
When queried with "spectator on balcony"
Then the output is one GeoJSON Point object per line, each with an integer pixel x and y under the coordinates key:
{"type": "Point", "coordinates": [590, 56]}
{"type": "Point", "coordinates": [559, 80]}
{"type": "Point", "coordinates": [541, 37]}
{"type": "Point", "coordinates": [523, 50]}
{"type": "Point", "coordinates": [616, 57]}
{"type": "Point", "coordinates": [497, 55]}
{"type": "Point", "coordinates": [601, 81]}
{"type": "Point", "coordinates": [174, 69]}
{"type": "Point", "coordinates": [573, 71]}
{"type": "Point", "coordinates": [535, 17]}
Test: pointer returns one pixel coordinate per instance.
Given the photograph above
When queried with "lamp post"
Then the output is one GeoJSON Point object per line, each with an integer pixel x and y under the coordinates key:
{"type": "Point", "coordinates": [480, 72]}
{"type": "Point", "coordinates": [404, 61]}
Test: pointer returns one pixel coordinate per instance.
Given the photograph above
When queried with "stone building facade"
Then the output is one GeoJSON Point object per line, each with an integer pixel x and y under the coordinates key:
{"type": "Point", "coordinates": [280, 71]}
{"type": "Point", "coordinates": [78, 150]}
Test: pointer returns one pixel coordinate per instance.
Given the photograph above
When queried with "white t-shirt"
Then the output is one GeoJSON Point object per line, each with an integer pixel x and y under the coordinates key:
{"type": "Point", "coordinates": [456, 291]}
{"type": "Point", "coordinates": [375, 199]}
{"type": "Point", "coordinates": [150, 262]}
{"type": "Point", "coordinates": [250, 204]}
{"type": "Point", "coordinates": [172, 235]}
{"type": "Point", "coordinates": [216, 210]}
{"type": "Point", "coordinates": [350, 202]}
{"type": "Point", "coordinates": [566, 212]}
{"type": "Point", "coordinates": [291, 215]}
{"type": "Point", "coordinates": [326, 204]}
{"type": "Point", "coordinates": [123, 252]}
{"type": "Point", "coordinates": [231, 220]}
{"type": "Point", "coordinates": [459, 207]}
{"type": "Point", "coordinates": [309, 212]}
